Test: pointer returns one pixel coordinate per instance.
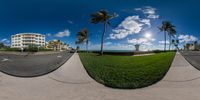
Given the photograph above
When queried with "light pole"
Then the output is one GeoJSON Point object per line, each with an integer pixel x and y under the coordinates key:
{"type": "Point", "coordinates": [38, 48]}
{"type": "Point", "coordinates": [22, 49]}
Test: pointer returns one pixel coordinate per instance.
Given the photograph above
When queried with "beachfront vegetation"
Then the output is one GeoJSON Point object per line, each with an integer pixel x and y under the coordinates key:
{"type": "Point", "coordinates": [82, 37]}
{"type": "Point", "coordinates": [127, 72]}
{"type": "Point", "coordinates": [10, 49]}
{"type": "Point", "coordinates": [169, 29]}
{"type": "Point", "coordinates": [175, 42]}
{"type": "Point", "coordinates": [2, 45]}
{"type": "Point", "coordinates": [30, 48]}
{"type": "Point", "coordinates": [102, 17]}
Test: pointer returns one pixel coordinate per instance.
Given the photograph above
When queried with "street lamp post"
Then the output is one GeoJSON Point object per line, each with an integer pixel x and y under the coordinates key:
{"type": "Point", "coordinates": [22, 49]}
{"type": "Point", "coordinates": [38, 48]}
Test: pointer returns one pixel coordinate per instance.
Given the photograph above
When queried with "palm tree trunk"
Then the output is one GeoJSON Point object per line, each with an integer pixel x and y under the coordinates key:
{"type": "Point", "coordinates": [165, 41]}
{"type": "Point", "coordinates": [102, 38]}
{"type": "Point", "coordinates": [169, 42]}
{"type": "Point", "coordinates": [87, 46]}
{"type": "Point", "coordinates": [177, 48]}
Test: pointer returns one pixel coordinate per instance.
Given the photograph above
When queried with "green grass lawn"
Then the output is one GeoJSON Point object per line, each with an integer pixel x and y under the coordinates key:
{"type": "Point", "coordinates": [127, 71]}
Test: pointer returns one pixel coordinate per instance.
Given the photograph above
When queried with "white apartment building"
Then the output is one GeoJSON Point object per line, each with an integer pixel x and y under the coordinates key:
{"type": "Point", "coordinates": [22, 40]}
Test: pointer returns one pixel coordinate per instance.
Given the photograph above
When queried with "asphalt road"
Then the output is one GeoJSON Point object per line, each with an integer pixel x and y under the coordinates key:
{"type": "Point", "coordinates": [193, 57]}
{"type": "Point", "coordinates": [32, 65]}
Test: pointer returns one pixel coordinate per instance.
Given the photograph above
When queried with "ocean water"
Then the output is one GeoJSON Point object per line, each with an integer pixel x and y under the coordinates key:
{"type": "Point", "coordinates": [114, 50]}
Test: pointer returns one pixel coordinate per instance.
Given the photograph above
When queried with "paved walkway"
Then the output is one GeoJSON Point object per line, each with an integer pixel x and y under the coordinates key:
{"type": "Point", "coordinates": [71, 82]}
{"type": "Point", "coordinates": [145, 54]}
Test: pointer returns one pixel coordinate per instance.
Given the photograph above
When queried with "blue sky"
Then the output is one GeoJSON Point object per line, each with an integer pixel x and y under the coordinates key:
{"type": "Point", "coordinates": [62, 19]}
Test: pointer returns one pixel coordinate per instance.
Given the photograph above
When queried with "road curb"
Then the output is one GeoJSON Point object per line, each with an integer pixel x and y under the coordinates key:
{"type": "Point", "coordinates": [193, 65]}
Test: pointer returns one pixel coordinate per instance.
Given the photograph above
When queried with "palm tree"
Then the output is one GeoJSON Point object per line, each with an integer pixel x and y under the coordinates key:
{"type": "Point", "coordinates": [195, 45]}
{"type": "Point", "coordinates": [2, 45]}
{"type": "Point", "coordinates": [175, 42]}
{"type": "Point", "coordinates": [56, 44]}
{"type": "Point", "coordinates": [187, 46]}
{"type": "Point", "coordinates": [102, 17]}
{"type": "Point", "coordinates": [82, 37]}
{"type": "Point", "coordinates": [171, 33]}
{"type": "Point", "coordinates": [167, 27]}
{"type": "Point", "coordinates": [59, 43]}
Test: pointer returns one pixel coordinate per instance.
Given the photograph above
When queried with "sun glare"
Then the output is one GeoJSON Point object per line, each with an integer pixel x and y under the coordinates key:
{"type": "Point", "coordinates": [147, 35]}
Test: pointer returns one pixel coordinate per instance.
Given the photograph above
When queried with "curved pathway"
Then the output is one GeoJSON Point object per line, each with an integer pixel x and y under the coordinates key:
{"type": "Point", "coordinates": [71, 82]}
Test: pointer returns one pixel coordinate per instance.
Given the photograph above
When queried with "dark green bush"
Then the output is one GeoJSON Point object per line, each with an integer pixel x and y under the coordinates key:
{"type": "Point", "coordinates": [11, 49]}
{"type": "Point", "coordinates": [31, 48]}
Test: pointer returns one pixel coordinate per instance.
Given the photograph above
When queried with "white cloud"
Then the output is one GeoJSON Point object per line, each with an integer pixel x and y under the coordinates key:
{"type": "Point", "coordinates": [146, 21]}
{"type": "Point", "coordinates": [163, 42]}
{"type": "Point", "coordinates": [153, 16]}
{"type": "Point", "coordinates": [70, 22]}
{"type": "Point", "coordinates": [138, 9]}
{"type": "Point", "coordinates": [141, 41]}
{"type": "Point", "coordinates": [48, 34]}
{"type": "Point", "coordinates": [3, 40]}
{"type": "Point", "coordinates": [7, 41]}
{"type": "Point", "coordinates": [63, 34]}
{"type": "Point", "coordinates": [108, 43]}
{"type": "Point", "coordinates": [114, 46]}
{"type": "Point", "coordinates": [134, 24]}
{"type": "Point", "coordinates": [131, 25]}
{"type": "Point", "coordinates": [149, 11]}
{"type": "Point", "coordinates": [187, 38]}
{"type": "Point", "coordinates": [147, 43]}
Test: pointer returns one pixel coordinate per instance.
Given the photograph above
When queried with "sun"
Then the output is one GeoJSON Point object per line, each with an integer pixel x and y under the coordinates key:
{"type": "Point", "coordinates": [148, 35]}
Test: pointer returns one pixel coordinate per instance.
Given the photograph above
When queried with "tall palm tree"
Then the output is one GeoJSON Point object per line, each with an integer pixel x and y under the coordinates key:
{"type": "Point", "coordinates": [102, 17]}
{"type": "Point", "coordinates": [187, 46]}
{"type": "Point", "coordinates": [176, 43]}
{"type": "Point", "coordinates": [167, 27]}
{"type": "Point", "coordinates": [82, 37]}
{"type": "Point", "coordinates": [171, 33]}
{"type": "Point", "coordinates": [195, 45]}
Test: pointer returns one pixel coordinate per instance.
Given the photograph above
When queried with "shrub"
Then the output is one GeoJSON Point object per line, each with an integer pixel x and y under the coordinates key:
{"type": "Point", "coordinates": [32, 48]}
{"type": "Point", "coordinates": [11, 49]}
{"type": "Point", "coordinates": [44, 49]}
{"type": "Point", "coordinates": [157, 51]}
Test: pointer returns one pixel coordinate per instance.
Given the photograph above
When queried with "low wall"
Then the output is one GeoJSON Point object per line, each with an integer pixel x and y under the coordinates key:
{"type": "Point", "coordinates": [25, 53]}
{"type": "Point", "coordinates": [127, 53]}
{"type": "Point", "coordinates": [120, 53]}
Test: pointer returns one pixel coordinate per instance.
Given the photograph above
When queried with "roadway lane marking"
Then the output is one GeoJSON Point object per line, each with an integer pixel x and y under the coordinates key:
{"type": "Point", "coordinates": [4, 60]}
{"type": "Point", "coordinates": [59, 56]}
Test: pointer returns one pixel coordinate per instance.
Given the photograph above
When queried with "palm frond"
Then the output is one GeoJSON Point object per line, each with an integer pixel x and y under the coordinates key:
{"type": "Point", "coordinates": [102, 16]}
{"type": "Point", "coordinates": [82, 36]}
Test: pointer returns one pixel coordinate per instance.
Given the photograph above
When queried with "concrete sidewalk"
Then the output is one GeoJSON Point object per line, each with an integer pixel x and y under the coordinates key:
{"type": "Point", "coordinates": [71, 82]}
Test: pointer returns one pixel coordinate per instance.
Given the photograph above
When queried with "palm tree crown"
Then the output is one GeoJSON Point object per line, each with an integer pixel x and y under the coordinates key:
{"type": "Point", "coordinates": [166, 26]}
{"type": "Point", "coordinates": [101, 17]}
{"type": "Point", "coordinates": [82, 37]}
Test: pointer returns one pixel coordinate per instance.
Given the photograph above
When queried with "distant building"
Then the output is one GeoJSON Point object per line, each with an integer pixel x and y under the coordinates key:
{"type": "Point", "coordinates": [22, 40]}
{"type": "Point", "coordinates": [57, 45]}
{"type": "Point", "coordinates": [191, 46]}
